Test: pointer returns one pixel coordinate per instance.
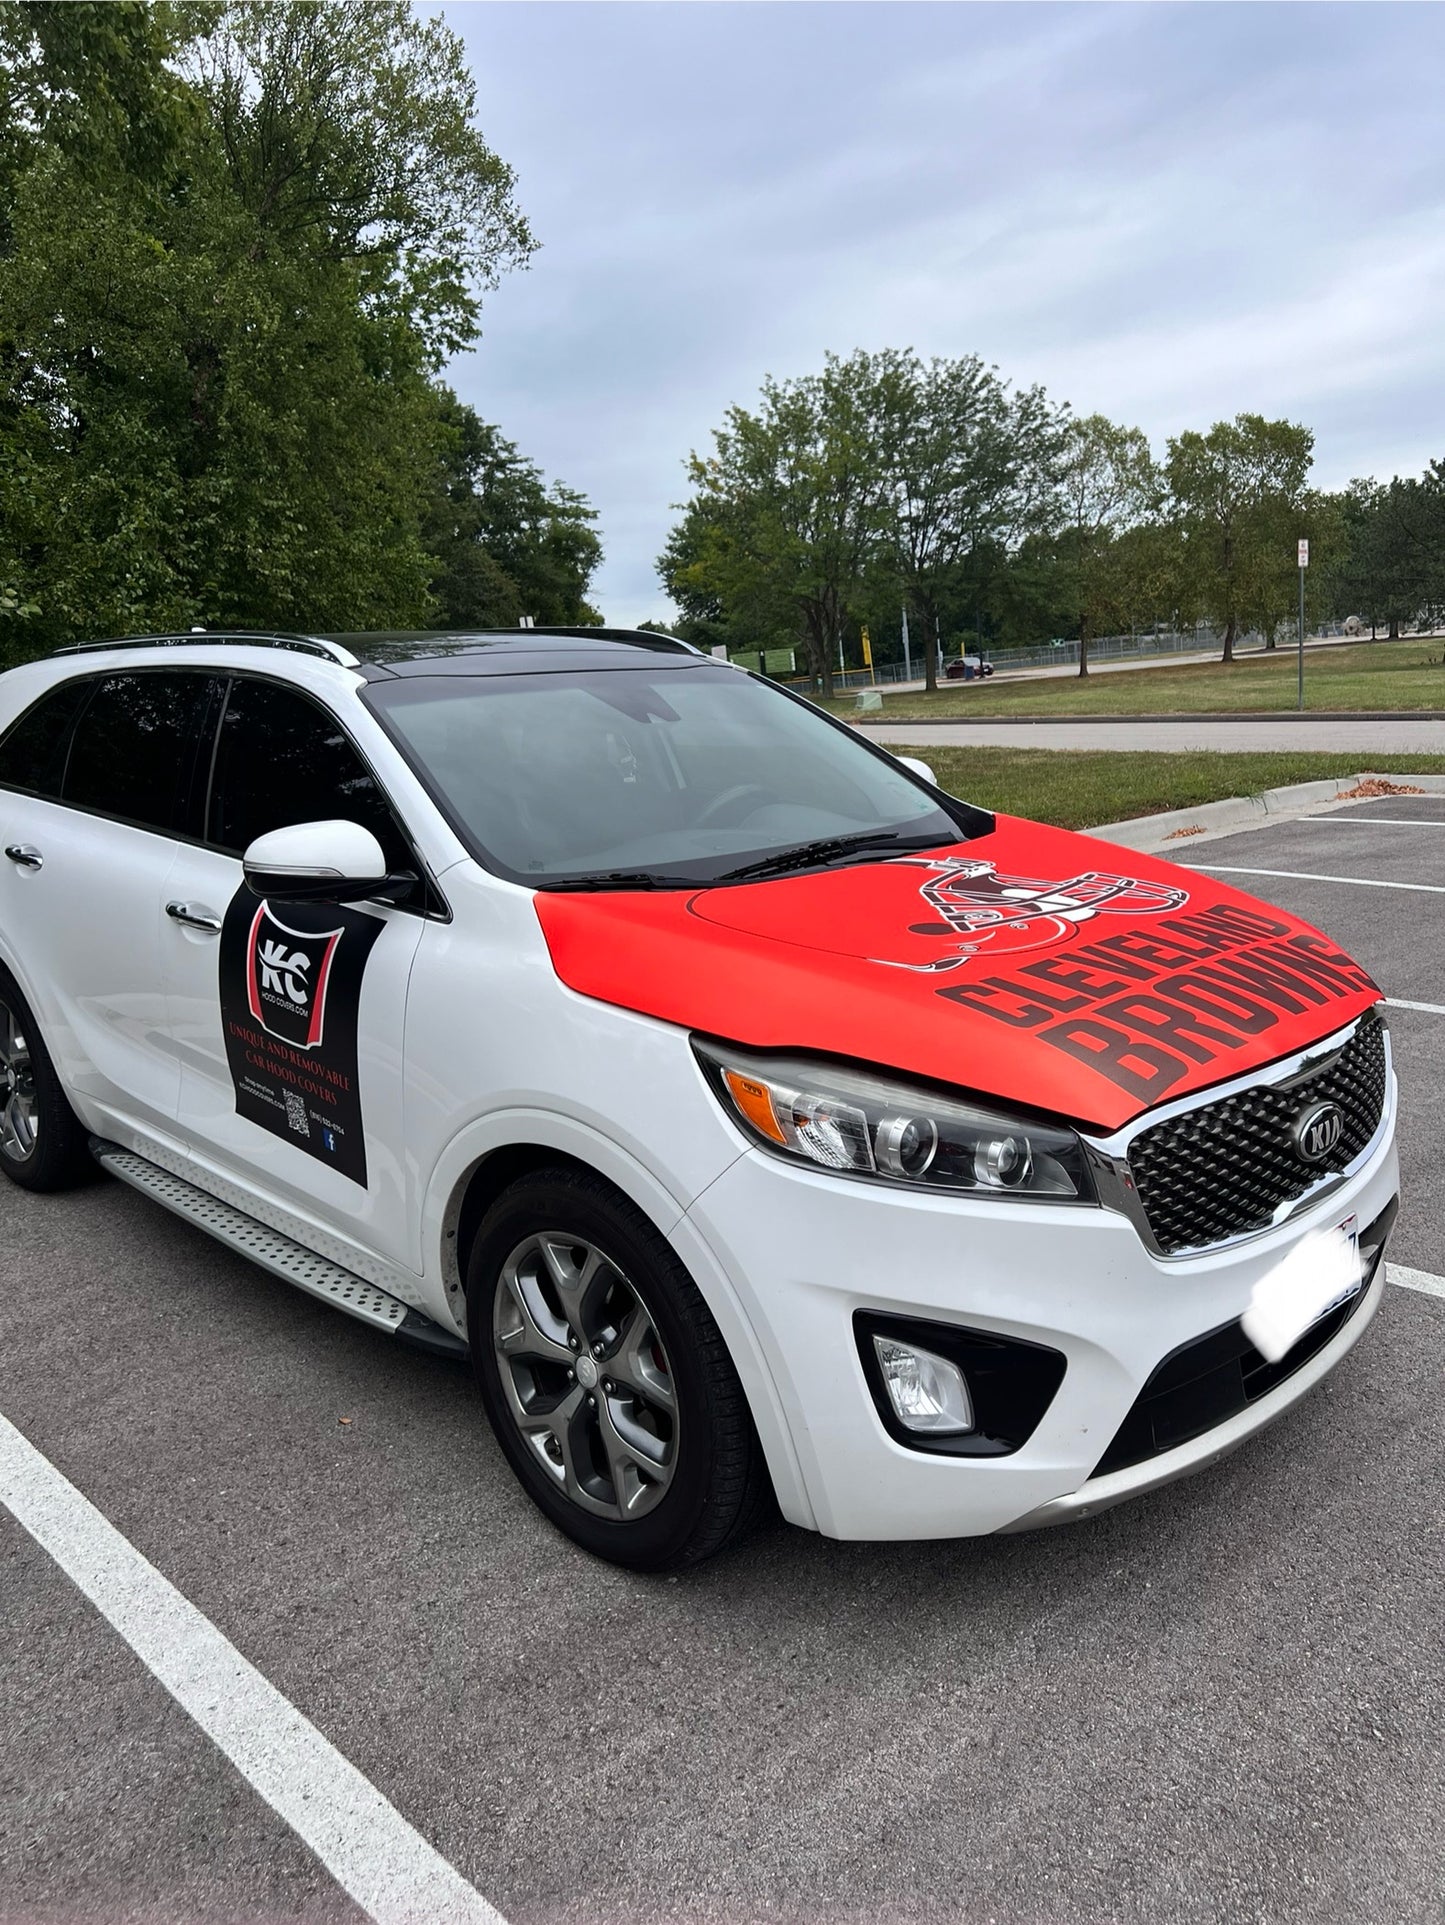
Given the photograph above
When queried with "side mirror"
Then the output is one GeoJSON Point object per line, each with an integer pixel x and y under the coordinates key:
{"type": "Point", "coordinates": [919, 768]}
{"type": "Point", "coordinates": [320, 862]}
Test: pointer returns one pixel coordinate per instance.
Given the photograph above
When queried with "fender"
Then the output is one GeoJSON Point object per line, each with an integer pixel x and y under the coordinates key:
{"type": "Point", "coordinates": [504, 1129]}
{"type": "Point", "coordinates": [53, 1026]}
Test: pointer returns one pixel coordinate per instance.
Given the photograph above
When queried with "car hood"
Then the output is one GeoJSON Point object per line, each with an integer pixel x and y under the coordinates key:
{"type": "Point", "coordinates": [1029, 965]}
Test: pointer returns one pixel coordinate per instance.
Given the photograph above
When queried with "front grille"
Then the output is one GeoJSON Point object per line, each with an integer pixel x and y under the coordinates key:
{"type": "Point", "coordinates": [1224, 1169]}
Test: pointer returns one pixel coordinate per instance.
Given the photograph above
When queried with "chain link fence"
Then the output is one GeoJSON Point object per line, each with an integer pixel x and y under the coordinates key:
{"type": "Point", "coordinates": [1104, 648]}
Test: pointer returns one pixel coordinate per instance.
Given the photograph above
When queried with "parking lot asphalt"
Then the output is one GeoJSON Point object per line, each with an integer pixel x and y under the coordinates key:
{"type": "Point", "coordinates": [1224, 1702]}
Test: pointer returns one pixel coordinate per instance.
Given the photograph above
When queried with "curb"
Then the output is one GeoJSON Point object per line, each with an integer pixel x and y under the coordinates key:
{"type": "Point", "coordinates": [1159, 833]}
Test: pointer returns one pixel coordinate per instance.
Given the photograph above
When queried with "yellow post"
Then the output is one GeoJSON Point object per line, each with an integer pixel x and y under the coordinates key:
{"type": "Point", "coordinates": [868, 657]}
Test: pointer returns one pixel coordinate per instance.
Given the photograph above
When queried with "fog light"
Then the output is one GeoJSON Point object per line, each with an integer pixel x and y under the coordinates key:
{"type": "Point", "coordinates": [927, 1393]}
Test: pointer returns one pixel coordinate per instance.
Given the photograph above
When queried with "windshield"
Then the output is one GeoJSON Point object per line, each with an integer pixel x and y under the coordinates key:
{"type": "Point", "coordinates": [666, 774]}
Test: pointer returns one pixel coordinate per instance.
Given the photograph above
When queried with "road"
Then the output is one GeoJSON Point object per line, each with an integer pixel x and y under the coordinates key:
{"type": "Point", "coordinates": [1225, 1702]}
{"type": "Point", "coordinates": [1353, 736]}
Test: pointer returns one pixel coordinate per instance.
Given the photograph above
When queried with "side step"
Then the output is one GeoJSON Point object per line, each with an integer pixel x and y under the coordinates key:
{"type": "Point", "coordinates": [279, 1254]}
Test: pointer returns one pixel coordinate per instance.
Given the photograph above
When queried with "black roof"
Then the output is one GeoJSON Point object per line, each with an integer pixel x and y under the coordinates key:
{"type": "Point", "coordinates": [414, 651]}
{"type": "Point", "coordinates": [495, 651]}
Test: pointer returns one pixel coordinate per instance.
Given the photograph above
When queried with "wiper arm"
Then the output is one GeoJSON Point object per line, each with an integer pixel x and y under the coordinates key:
{"type": "Point", "coordinates": [830, 849]}
{"type": "Point", "coordinates": [619, 879]}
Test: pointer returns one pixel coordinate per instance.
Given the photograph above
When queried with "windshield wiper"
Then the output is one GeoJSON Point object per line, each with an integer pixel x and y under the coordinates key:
{"type": "Point", "coordinates": [619, 879]}
{"type": "Point", "coordinates": [808, 855]}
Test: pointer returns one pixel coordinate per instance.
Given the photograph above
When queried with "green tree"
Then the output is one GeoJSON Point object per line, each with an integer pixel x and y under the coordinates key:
{"type": "Point", "coordinates": [1236, 492]}
{"type": "Point", "coordinates": [222, 295]}
{"type": "Point", "coordinates": [1395, 567]}
{"type": "Point", "coordinates": [968, 469]}
{"type": "Point", "coordinates": [844, 495]}
{"type": "Point", "coordinates": [788, 513]}
{"type": "Point", "coordinates": [1271, 578]}
{"type": "Point", "coordinates": [93, 82]}
{"type": "Point", "coordinates": [691, 577]}
{"type": "Point", "coordinates": [1108, 484]}
{"type": "Point", "coordinates": [505, 544]}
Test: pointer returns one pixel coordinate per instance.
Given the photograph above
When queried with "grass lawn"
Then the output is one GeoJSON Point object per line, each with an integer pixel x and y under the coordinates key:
{"type": "Point", "coordinates": [1086, 789]}
{"type": "Point", "coordinates": [1368, 675]}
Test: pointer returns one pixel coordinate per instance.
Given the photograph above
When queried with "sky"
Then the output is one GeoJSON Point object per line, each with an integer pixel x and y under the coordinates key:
{"type": "Point", "coordinates": [1165, 213]}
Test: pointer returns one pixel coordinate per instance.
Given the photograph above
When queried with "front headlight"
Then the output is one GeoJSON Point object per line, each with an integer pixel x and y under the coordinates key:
{"type": "Point", "coordinates": [857, 1123]}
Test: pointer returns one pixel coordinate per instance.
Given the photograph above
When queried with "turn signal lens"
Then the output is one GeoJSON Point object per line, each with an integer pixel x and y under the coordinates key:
{"type": "Point", "coordinates": [755, 1103]}
{"type": "Point", "coordinates": [927, 1392]}
{"type": "Point", "coordinates": [860, 1123]}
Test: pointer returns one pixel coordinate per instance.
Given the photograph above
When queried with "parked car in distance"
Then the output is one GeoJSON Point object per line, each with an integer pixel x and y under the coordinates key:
{"type": "Point", "coordinates": [967, 668]}
{"type": "Point", "coordinates": [764, 1124]}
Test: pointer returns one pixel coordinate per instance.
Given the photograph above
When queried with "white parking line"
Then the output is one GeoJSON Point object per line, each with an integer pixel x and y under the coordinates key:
{"type": "Point", "coordinates": [1430, 1009]}
{"type": "Point", "coordinates": [1304, 875]}
{"type": "Point", "coordinates": [371, 1851]}
{"type": "Point", "coordinates": [1409, 1279]}
{"type": "Point", "coordinates": [1395, 821]}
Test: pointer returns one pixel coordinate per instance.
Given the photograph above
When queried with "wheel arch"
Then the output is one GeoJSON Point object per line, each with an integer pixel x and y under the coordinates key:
{"type": "Point", "coordinates": [485, 1159]}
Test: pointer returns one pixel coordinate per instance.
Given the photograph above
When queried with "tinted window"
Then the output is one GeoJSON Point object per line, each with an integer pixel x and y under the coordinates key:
{"type": "Point", "coordinates": [32, 754]}
{"type": "Point", "coordinates": [135, 746]}
{"type": "Point", "coordinates": [282, 760]}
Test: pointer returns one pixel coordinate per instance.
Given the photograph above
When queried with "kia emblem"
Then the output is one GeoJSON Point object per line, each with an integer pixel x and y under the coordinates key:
{"type": "Point", "coordinates": [1316, 1131]}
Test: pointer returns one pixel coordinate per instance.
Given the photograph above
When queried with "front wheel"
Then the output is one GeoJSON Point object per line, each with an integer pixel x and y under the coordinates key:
{"type": "Point", "coordinates": [606, 1379]}
{"type": "Point", "coordinates": [43, 1145]}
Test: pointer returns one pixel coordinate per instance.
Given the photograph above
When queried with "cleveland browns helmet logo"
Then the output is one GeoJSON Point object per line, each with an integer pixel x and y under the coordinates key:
{"type": "Point", "coordinates": [977, 907]}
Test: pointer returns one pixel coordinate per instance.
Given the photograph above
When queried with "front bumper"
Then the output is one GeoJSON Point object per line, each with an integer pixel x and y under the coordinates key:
{"type": "Point", "coordinates": [804, 1252]}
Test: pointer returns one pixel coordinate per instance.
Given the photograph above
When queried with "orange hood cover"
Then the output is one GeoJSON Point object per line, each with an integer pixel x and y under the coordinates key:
{"type": "Point", "coordinates": [1030, 965]}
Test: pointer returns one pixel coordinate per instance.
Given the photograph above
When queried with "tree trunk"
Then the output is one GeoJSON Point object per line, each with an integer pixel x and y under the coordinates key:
{"type": "Point", "coordinates": [1394, 634]}
{"type": "Point", "coordinates": [1229, 634]}
{"type": "Point", "coordinates": [1083, 645]}
{"type": "Point", "coordinates": [929, 626]}
{"type": "Point", "coordinates": [815, 646]}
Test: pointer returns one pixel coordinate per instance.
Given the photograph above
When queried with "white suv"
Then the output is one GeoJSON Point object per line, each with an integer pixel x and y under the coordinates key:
{"type": "Point", "coordinates": [765, 1122]}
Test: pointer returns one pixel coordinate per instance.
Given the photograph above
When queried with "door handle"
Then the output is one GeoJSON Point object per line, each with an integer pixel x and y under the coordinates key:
{"type": "Point", "coordinates": [194, 916]}
{"type": "Point", "coordinates": [24, 856]}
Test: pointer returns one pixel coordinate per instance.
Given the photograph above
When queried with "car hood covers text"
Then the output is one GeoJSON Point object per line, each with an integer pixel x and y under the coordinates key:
{"type": "Point", "coordinates": [1030, 965]}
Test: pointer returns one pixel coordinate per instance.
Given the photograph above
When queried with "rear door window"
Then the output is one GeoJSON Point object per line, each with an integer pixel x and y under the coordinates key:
{"type": "Point", "coordinates": [32, 753]}
{"type": "Point", "coordinates": [135, 748]}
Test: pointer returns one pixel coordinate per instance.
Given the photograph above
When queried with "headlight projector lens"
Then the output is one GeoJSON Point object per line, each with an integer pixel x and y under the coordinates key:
{"type": "Point", "coordinates": [906, 1145]}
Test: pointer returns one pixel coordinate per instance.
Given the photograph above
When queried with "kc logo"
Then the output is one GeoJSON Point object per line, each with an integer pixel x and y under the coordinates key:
{"type": "Point", "coordinates": [286, 976]}
{"type": "Point", "coordinates": [282, 973]}
{"type": "Point", "coordinates": [980, 907]}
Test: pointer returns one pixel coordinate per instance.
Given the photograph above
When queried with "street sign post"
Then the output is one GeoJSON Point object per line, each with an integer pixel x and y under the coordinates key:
{"type": "Point", "coordinates": [1304, 562]}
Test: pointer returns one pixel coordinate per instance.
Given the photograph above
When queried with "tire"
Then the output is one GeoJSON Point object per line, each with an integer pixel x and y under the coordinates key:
{"type": "Point", "coordinates": [43, 1144]}
{"type": "Point", "coordinates": [605, 1378]}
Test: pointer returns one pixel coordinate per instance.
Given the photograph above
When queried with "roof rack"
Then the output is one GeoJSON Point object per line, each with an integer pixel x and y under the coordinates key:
{"type": "Point", "coordinates": [233, 638]}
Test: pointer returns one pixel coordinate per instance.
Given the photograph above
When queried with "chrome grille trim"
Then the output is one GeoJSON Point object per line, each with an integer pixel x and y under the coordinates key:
{"type": "Point", "coordinates": [1109, 1156]}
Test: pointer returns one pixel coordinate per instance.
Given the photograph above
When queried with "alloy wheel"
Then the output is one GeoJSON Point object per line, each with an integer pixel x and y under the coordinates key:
{"type": "Point", "coordinates": [19, 1108]}
{"type": "Point", "coordinates": [585, 1374]}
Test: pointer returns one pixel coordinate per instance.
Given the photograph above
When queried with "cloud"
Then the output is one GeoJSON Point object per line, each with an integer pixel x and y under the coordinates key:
{"type": "Point", "coordinates": [1168, 214]}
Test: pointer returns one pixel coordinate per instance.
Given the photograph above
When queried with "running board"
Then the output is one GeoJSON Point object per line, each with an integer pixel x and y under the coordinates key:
{"type": "Point", "coordinates": [279, 1254]}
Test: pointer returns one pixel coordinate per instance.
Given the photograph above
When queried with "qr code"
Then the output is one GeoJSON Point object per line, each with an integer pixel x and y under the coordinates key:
{"type": "Point", "coordinates": [296, 1113]}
